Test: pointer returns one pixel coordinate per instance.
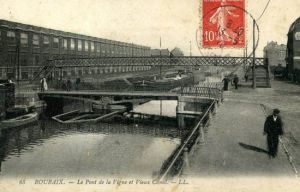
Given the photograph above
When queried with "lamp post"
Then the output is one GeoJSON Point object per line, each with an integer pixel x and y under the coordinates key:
{"type": "Point", "coordinates": [18, 55]}
{"type": "Point", "coordinates": [160, 63]}
{"type": "Point", "coordinates": [253, 61]}
{"type": "Point", "coordinates": [190, 48]}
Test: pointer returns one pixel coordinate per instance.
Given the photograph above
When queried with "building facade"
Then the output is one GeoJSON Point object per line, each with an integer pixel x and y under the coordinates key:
{"type": "Point", "coordinates": [176, 52]}
{"type": "Point", "coordinates": [276, 54]}
{"type": "Point", "coordinates": [25, 48]}
{"type": "Point", "coordinates": [160, 53]}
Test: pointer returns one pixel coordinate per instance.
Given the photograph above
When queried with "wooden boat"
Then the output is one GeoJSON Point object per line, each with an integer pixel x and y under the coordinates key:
{"type": "Point", "coordinates": [99, 108]}
{"type": "Point", "coordinates": [166, 83]}
{"type": "Point", "coordinates": [19, 121]}
{"type": "Point", "coordinates": [84, 117]}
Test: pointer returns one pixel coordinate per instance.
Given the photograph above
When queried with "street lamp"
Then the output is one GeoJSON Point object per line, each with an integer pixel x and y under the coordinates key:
{"type": "Point", "coordinates": [18, 56]}
{"type": "Point", "coordinates": [253, 62]}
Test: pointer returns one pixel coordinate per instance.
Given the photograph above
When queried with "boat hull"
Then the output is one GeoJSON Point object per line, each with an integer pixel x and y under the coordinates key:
{"type": "Point", "coordinates": [19, 121]}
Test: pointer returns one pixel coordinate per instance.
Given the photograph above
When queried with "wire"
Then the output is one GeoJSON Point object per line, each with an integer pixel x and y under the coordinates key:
{"type": "Point", "coordinates": [263, 10]}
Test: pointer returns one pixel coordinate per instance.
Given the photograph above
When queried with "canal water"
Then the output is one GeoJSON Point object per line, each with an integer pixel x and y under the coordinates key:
{"type": "Point", "coordinates": [111, 148]}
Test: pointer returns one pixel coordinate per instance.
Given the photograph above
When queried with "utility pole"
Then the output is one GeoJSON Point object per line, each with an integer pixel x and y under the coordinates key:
{"type": "Point", "coordinates": [246, 58]}
{"type": "Point", "coordinates": [253, 62]}
{"type": "Point", "coordinates": [160, 72]}
{"type": "Point", "coordinates": [18, 55]}
{"type": "Point", "coordinates": [132, 55]}
{"type": "Point", "coordinates": [191, 68]}
{"type": "Point", "coordinates": [190, 48]}
{"type": "Point", "coordinates": [160, 57]}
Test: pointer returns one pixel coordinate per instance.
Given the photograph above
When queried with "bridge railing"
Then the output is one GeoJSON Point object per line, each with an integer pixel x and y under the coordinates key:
{"type": "Point", "coordinates": [152, 61]}
{"type": "Point", "coordinates": [209, 92]}
{"type": "Point", "coordinates": [179, 159]}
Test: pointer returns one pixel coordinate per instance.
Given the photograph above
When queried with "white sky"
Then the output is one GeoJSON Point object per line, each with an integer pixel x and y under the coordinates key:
{"type": "Point", "coordinates": [145, 21]}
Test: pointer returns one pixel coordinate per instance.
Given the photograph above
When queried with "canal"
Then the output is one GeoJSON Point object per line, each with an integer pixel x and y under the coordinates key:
{"type": "Point", "coordinates": [115, 147]}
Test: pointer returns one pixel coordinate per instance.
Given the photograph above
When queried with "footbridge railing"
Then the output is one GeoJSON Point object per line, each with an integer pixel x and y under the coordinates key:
{"type": "Point", "coordinates": [153, 61]}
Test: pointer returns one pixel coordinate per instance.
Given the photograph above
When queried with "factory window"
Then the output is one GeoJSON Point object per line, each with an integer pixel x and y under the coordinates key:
{"type": "Point", "coordinates": [98, 47]}
{"type": "Point", "coordinates": [24, 60]}
{"type": "Point", "coordinates": [79, 46]}
{"type": "Point", "coordinates": [55, 42]}
{"type": "Point", "coordinates": [11, 38]}
{"type": "Point", "coordinates": [35, 40]}
{"type": "Point", "coordinates": [11, 59]}
{"type": "Point", "coordinates": [35, 60]}
{"type": "Point", "coordinates": [46, 41]}
{"type": "Point", "coordinates": [282, 54]}
{"type": "Point", "coordinates": [86, 46]}
{"type": "Point", "coordinates": [72, 44]}
{"type": "Point", "coordinates": [92, 46]}
{"type": "Point", "coordinates": [65, 44]}
{"type": "Point", "coordinates": [11, 34]}
{"type": "Point", "coordinates": [103, 48]}
{"type": "Point", "coordinates": [24, 39]}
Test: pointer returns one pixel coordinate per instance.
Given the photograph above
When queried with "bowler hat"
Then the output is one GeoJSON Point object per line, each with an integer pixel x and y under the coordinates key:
{"type": "Point", "coordinates": [276, 111]}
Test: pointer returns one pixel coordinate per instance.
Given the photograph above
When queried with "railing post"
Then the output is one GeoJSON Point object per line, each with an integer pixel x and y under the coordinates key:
{"type": "Point", "coordinates": [209, 115]}
{"type": "Point", "coordinates": [221, 96]}
{"type": "Point", "coordinates": [201, 134]}
{"type": "Point", "coordinates": [185, 158]}
{"type": "Point", "coordinates": [215, 107]}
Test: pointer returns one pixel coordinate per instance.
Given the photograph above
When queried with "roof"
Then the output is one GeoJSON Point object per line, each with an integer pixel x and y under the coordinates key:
{"type": "Point", "coordinates": [43, 30]}
{"type": "Point", "coordinates": [295, 23]}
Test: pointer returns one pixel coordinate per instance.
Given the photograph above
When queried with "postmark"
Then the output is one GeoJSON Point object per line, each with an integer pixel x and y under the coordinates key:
{"type": "Point", "coordinates": [223, 23]}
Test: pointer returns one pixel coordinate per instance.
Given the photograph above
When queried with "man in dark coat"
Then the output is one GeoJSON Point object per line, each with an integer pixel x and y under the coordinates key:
{"type": "Point", "coordinates": [236, 81]}
{"type": "Point", "coordinates": [226, 83]}
{"type": "Point", "coordinates": [273, 128]}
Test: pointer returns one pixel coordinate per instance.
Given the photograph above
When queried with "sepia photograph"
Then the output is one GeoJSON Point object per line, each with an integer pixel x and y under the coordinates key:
{"type": "Point", "coordinates": [151, 95]}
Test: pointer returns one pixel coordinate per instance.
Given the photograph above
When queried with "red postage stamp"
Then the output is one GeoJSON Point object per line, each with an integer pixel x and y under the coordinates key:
{"type": "Point", "coordinates": [223, 23]}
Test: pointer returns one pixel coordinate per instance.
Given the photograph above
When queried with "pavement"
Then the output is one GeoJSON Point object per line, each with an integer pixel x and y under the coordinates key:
{"type": "Point", "coordinates": [234, 142]}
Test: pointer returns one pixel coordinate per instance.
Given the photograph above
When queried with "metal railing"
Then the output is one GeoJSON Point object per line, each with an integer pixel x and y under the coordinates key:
{"type": "Point", "coordinates": [199, 127]}
{"type": "Point", "coordinates": [153, 61]}
{"type": "Point", "coordinates": [209, 92]}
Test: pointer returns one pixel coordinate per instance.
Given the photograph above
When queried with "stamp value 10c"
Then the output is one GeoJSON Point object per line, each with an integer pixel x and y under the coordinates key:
{"type": "Point", "coordinates": [223, 23]}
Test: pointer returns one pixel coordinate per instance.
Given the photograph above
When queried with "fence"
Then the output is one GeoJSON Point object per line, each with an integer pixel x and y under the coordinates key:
{"type": "Point", "coordinates": [209, 92]}
{"type": "Point", "coordinates": [179, 158]}
{"type": "Point", "coordinates": [154, 61]}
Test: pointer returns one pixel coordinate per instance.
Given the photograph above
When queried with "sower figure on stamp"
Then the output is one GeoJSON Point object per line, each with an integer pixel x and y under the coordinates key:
{"type": "Point", "coordinates": [220, 17]}
{"type": "Point", "coordinates": [273, 128]}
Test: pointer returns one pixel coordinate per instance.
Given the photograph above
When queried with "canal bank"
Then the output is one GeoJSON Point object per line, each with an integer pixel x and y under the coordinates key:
{"type": "Point", "coordinates": [235, 145]}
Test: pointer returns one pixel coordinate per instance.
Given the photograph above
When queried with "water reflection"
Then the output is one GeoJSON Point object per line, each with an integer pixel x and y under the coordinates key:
{"type": "Point", "coordinates": [104, 149]}
{"type": "Point", "coordinates": [157, 107]}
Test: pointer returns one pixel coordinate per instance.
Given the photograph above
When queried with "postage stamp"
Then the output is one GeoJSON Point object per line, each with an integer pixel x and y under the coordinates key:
{"type": "Point", "coordinates": [223, 23]}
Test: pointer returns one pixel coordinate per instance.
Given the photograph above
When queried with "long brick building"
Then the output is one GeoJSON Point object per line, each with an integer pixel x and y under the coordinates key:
{"type": "Point", "coordinates": [25, 48]}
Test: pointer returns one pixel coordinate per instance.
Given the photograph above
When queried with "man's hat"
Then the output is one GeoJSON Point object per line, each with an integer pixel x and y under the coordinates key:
{"type": "Point", "coordinates": [276, 111]}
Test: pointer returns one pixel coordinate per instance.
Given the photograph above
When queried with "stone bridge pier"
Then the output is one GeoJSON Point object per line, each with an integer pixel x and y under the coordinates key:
{"type": "Point", "coordinates": [189, 107]}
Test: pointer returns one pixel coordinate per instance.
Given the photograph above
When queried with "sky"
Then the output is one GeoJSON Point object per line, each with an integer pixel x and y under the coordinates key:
{"type": "Point", "coordinates": [145, 21]}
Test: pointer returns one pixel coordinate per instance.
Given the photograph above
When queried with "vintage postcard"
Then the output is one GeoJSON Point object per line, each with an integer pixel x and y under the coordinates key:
{"type": "Point", "coordinates": [152, 95]}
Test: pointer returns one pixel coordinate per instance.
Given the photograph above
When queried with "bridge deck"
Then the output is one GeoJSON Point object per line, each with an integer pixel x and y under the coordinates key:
{"type": "Point", "coordinates": [91, 93]}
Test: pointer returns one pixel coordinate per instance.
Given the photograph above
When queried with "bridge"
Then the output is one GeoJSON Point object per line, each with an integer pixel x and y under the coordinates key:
{"type": "Point", "coordinates": [154, 61]}
{"type": "Point", "coordinates": [125, 64]}
{"type": "Point", "coordinates": [94, 95]}
{"type": "Point", "coordinates": [189, 99]}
